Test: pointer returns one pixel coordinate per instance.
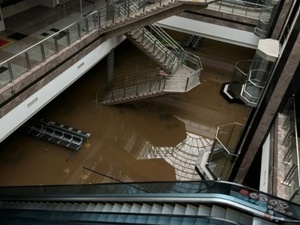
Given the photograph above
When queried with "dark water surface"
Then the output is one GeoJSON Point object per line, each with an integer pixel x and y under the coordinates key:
{"type": "Point", "coordinates": [157, 139]}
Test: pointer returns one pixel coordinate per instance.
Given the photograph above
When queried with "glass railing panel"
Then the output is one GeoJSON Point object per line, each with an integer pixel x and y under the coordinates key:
{"type": "Point", "coordinates": [229, 135]}
{"type": "Point", "coordinates": [36, 56]}
{"type": "Point", "coordinates": [5, 75]}
{"type": "Point", "coordinates": [223, 152]}
{"type": "Point", "coordinates": [265, 19]}
{"type": "Point", "coordinates": [239, 77]}
{"type": "Point", "coordinates": [75, 32]}
{"type": "Point", "coordinates": [193, 80]}
{"type": "Point", "coordinates": [237, 7]}
{"type": "Point", "coordinates": [49, 48]}
{"type": "Point", "coordinates": [258, 78]}
{"type": "Point", "coordinates": [220, 161]}
{"type": "Point", "coordinates": [43, 50]}
{"type": "Point", "coordinates": [19, 65]}
{"type": "Point", "coordinates": [250, 94]}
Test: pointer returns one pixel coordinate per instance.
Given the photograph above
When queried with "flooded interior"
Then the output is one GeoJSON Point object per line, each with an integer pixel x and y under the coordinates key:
{"type": "Point", "coordinates": [157, 139]}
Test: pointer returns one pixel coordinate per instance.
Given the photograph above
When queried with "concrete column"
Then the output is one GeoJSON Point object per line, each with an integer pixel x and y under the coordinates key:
{"type": "Point", "coordinates": [279, 22]}
{"type": "Point", "coordinates": [268, 107]}
{"type": "Point", "coordinates": [110, 66]}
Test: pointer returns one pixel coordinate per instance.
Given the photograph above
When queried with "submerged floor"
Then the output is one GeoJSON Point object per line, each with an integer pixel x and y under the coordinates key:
{"type": "Point", "coordinates": [154, 140]}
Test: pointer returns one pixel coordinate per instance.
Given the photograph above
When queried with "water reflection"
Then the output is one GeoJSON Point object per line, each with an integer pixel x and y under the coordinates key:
{"type": "Point", "coordinates": [182, 157]}
{"type": "Point", "coordinates": [165, 129]}
{"type": "Point", "coordinates": [156, 140]}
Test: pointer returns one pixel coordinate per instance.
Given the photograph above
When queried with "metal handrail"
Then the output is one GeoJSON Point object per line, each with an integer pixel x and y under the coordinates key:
{"type": "Point", "coordinates": [166, 37]}
{"type": "Point", "coordinates": [238, 6]}
{"type": "Point", "coordinates": [124, 83]}
{"type": "Point", "coordinates": [99, 15]}
{"type": "Point", "coordinates": [40, 43]}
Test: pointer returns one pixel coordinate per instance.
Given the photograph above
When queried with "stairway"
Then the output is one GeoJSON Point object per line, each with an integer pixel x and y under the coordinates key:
{"type": "Point", "coordinates": [178, 71]}
{"type": "Point", "coordinates": [150, 45]}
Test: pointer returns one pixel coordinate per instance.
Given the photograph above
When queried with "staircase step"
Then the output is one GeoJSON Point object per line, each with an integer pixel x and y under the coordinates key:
{"type": "Point", "coordinates": [99, 207]}
{"type": "Point", "coordinates": [167, 209]}
{"type": "Point", "coordinates": [116, 207]}
{"type": "Point", "coordinates": [135, 208]}
{"type": "Point", "coordinates": [125, 208]}
{"type": "Point", "coordinates": [107, 207]}
{"type": "Point", "coordinates": [204, 210]}
{"type": "Point", "coordinates": [146, 208]}
{"type": "Point", "coordinates": [90, 207]}
{"type": "Point", "coordinates": [217, 211]}
{"type": "Point", "coordinates": [246, 219]}
{"type": "Point", "coordinates": [156, 208]}
{"type": "Point", "coordinates": [232, 214]}
{"type": "Point", "coordinates": [179, 209]}
{"type": "Point", "coordinates": [191, 210]}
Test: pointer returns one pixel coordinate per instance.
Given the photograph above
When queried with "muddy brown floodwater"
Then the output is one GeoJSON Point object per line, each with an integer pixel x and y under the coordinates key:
{"type": "Point", "coordinates": [153, 140]}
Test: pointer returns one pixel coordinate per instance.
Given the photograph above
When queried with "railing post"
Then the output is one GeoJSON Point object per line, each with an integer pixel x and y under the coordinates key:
{"type": "Point", "coordinates": [143, 35]}
{"type": "Point", "coordinates": [233, 8]}
{"type": "Point", "coordinates": [87, 25]}
{"type": "Point", "coordinates": [160, 3]}
{"type": "Point", "coordinates": [99, 19]}
{"type": "Point", "coordinates": [113, 13]}
{"type": "Point", "coordinates": [166, 56]}
{"type": "Point", "coordinates": [165, 81]}
{"type": "Point", "coordinates": [187, 84]}
{"type": "Point", "coordinates": [43, 52]}
{"type": "Point", "coordinates": [246, 12]}
{"type": "Point", "coordinates": [27, 61]}
{"type": "Point", "coordinates": [144, 5]}
{"type": "Point", "coordinates": [68, 37]}
{"type": "Point", "coordinates": [56, 45]}
{"type": "Point", "coordinates": [95, 20]}
{"type": "Point", "coordinates": [79, 30]}
{"type": "Point", "coordinates": [128, 9]}
{"type": "Point", "coordinates": [11, 74]}
{"type": "Point", "coordinates": [154, 46]}
{"type": "Point", "coordinates": [159, 85]}
{"type": "Point", "coordinates": [150, 86]}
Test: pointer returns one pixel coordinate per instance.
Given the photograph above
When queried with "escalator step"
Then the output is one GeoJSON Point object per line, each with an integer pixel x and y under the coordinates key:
{"type": "Point", "coordinates": [203, 210]}
{"type": "Point", "coordinates": [217, 211]}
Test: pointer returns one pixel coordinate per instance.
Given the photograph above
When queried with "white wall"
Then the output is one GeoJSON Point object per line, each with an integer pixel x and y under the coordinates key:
{"type": "Point", "coordinates": [212, 31]}
{"type": "Point", "coordinates": [20, 114]}
{"type": "Point", "coordinates": [17, 8]}
{"type": "Point", "coordinates": [265, 163]}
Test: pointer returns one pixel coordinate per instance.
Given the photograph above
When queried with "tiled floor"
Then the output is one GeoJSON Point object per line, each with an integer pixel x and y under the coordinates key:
{"type": "Point", "coordinates": [159, 139]}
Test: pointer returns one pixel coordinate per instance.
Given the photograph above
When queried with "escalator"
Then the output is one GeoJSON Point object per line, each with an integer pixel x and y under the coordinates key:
{"type": "Point", "coordinates": [182, 202]}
